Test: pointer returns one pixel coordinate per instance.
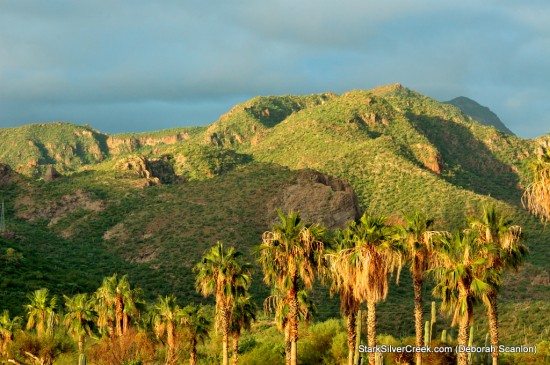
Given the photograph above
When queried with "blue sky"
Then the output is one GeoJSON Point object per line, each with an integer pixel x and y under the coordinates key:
{"type": "Point", "coordinates": [142, 65]}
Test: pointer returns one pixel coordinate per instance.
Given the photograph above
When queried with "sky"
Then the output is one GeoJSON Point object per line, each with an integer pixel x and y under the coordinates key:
{"type": "Point", "coordinates": [141, 65]}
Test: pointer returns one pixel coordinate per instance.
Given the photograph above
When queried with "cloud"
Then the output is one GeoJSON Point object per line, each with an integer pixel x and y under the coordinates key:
{"type": "Point", "coordinates": [164, 57]}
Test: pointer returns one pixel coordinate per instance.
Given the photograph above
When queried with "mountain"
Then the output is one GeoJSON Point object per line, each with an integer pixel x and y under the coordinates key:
{"type": "Point", "coordinates": [480, 113]}
{"type": "Point", "coordinates": [149, 204]}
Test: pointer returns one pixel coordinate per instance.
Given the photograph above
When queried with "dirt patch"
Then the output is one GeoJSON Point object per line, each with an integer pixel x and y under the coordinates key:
{"type": "Point", "coordinates": [29, 209]}
{"type": "Point", "coordinates": [115, 232]}
{"type": "Point", "coordinates": [541, 279]}
{"type": "Point", "coordinates": [146, 254]}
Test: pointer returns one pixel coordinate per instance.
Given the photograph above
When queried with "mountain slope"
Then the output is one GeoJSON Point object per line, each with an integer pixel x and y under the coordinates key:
{"type": "Point", "coordinates": [398, 149]}
{"type": "Point", "coordinates": [480, 113]}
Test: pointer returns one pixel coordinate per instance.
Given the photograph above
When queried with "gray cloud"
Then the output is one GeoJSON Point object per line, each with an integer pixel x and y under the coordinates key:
{"type": "Point", "coordinates": [133, 65]}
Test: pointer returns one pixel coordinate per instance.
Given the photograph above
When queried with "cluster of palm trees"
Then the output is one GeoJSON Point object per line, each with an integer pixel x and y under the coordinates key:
{"type": "Point", "coordinates": [359, 260]}
{"type": "Point", "coordinates": [357, 263]}
{"type": "Point", "coordinates": [109, 314]}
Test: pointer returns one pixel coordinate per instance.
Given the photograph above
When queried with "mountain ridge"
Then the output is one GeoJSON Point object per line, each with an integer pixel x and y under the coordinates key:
{"type": "Point", "coordinates": [398, 149]}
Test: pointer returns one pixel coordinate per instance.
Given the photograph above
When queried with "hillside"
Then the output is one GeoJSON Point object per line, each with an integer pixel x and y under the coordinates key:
{"type": "Point", "coordinates": [68, 147]}
{"type": "Point", "coordinates": [149, 204]}
{"type": "Point", "coordinates": [479, 113]}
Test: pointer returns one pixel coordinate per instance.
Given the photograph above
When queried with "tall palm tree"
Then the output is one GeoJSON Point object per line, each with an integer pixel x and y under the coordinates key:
{"type": "Point", "coordinates": [495, 229]}
{"type": "Point", "coordinates": [220, 273]}
{"type": "Point", "coordinates": [8, 326]}
{"type": "Point", "coordinates": [41, 311]}
{"type": "Point", "coordinates": [79, 317]}
{"type": "Point", "coordinates": [167, 315]}
{"type": "Point", "coordinates": [416, 238]}
{"type": "Point", "coordinates": [367, 265]}
{"type": "Point", "coordinates": [290, 253]}
{"type": "Point", "coordinates": [244, 313]}
{"type": "Point", "coordinates": [349, 304]}
{"type": "Point", "coordinates": [462, 278]}
{"type": "Point", "coordinates": [196, 322]}
{"type": "Point", "coordinates": [536, 197]}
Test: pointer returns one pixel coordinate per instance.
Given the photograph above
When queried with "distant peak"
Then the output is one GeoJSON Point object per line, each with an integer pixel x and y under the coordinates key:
{"type": "Point", "coordinates": [482, 114]}
{"type": "Point", "coordinates": [465, 100]}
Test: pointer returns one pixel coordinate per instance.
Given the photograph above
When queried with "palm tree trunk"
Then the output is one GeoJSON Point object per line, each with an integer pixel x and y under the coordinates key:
{"type": "Point", "coordinates": [235, 348]}
{"type": "Point", "coordinates": [293, 321]}
{"type": "Point", "coordinates": [371, 328]}
{"type": "Point", "coordinates": [225, 352]}
{"type": "Point", "coordinates": [463, 336]}
{"type": "Point", "coordinates": [125, 322]}
{"type": "Point", "coordinates": [171, 340]}
{"type": "Point", "coordinates": [111, 328]}
{"type": "Point", "coordinates": [5, 346]}
{"type": "Point", "coordinates": [287, 344]}
{"type": "Point", "coordinates": [493, 324]}
{"type": "Point", "coordinates": [193, 351]}
{"type": "Point", "coordinates": [225, 334]}
{"type": "Point", "coordinates": [350, 326]}
{"type": "Point", "coordinates": [418, 315]}
{"type": "Point", "coordinates": [81, 344]}
{"type": "Point", "coordinates": [40, 325]}
{"type": "Point", "coordinates": [119, 309]}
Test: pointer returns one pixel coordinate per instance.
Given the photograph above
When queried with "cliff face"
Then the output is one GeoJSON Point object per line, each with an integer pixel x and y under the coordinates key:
{"type": "Point", "coordinates": [32, 149]}
{"type": "Point", "coordinates": [117, 145]}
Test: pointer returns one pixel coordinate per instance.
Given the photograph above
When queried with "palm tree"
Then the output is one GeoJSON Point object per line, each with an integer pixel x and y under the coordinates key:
{"type": "Point", "coordinates": [79, 317]}
{"type": "Point", "coordinates": [244, 313]}
{"type": "Point", "coordinates": [496, 230]}
{"type": "Point", "coordinates": [288, 254]}
{"type": "Point", "coordinates": [278, 303]}
{"type": "Point", "coordinates": [536, 197]}
{"type": "Point", "coordinates": [196, 322]}
{"type": "Point", "coordinates": [349, 304]}
{"type": "Point", "coordinates": [416, 239]}
{"type": "Point", "coordinates": [166, 317]}
{"type": "Point", "coordinates": [220, 273]}
{"type": "Point", "coordinates": [8, 326]}
{"type": "Point", "coordinates": [462, 279]}
{"type": "Point", "coordinates": [40, 311]}
{"type": "Point", "coordinates": [133, 306]}
{"type": "Point", "coordinates": [365, 266]}
{"type": "Point", "coordinates": [116, 301]}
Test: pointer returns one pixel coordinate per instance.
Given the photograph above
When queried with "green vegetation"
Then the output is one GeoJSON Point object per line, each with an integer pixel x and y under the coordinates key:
{"type": "Point", "coordinates": [401, 151]}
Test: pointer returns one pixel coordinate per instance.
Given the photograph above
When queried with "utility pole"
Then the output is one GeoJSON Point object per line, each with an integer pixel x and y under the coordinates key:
{"type": "Point", "coordinates": [2, 219]}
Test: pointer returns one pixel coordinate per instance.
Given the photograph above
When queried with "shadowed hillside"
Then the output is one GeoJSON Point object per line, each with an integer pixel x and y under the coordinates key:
{"type": "Point", "coordinates": [480, 113]}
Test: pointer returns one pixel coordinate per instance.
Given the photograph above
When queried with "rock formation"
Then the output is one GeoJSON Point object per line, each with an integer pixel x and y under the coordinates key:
{"type": "Point", "coordinates": [318, 198]}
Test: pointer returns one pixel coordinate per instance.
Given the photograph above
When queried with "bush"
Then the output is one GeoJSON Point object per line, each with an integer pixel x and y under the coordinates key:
{"type": "Point", "coordinates": [131, 348]}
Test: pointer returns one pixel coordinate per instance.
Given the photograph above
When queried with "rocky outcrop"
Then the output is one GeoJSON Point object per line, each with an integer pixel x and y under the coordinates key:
{"type": "Point", "coordinates": [6, 174]}
{"type": "Point", "coordinates": [117, 145]}
{"type": "Point", "coordinates": [155, 171]}
{"type": "Point", "coordinates": [318, 198]}
{"type": "Point", "coordinates": [429, 156]}
{"type": "Point", "coordinates": [51, 174]}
